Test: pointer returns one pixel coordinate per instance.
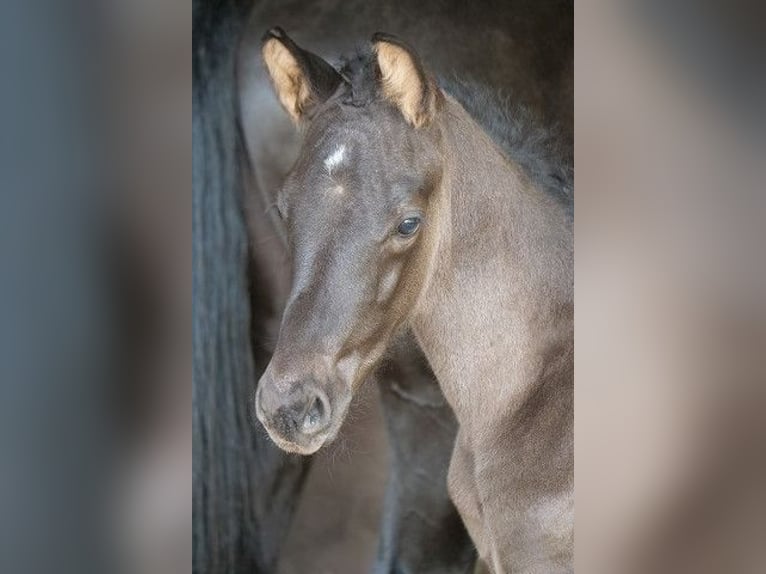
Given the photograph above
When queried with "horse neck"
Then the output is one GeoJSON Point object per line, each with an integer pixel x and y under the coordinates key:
{"type": "Point", "coordinates": [502, 278]}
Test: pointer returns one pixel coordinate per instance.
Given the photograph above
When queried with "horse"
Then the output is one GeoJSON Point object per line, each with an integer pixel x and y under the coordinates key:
{"type": "Point", "coordinates": [244, 488]}
{"type": "Point", "coordinates": [421, 530]}
{"type": "Point", "coordinates": [402, 211]}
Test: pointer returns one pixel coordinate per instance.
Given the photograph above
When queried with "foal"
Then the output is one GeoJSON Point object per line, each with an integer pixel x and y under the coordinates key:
{"type": "Point", "coordinates": [401, 210]}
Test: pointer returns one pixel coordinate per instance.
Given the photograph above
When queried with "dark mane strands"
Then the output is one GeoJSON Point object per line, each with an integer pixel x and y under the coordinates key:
{"type": "Point", "coordinates": [361, 75]}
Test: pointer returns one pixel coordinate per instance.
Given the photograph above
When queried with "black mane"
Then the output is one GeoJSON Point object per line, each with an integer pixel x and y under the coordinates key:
{"type": "Point", "coordinates": [361, 75]}
{"type": "Point", "coordinates": [538, 149]}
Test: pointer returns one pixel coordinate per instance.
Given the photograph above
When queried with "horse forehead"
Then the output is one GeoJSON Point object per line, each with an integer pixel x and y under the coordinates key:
{"type": "Point", "coordinates": [368, 154]}
{"type": "Point", "coordinates": [359, 131]}
{"type": "Point", "coordinates": [356, 157]}
{"type": "Point", "coordinates": [353, 164]}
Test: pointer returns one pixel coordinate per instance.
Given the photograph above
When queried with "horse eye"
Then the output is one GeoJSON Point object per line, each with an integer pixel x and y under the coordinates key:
{"type": "Point", "coordinates": [408, 226]}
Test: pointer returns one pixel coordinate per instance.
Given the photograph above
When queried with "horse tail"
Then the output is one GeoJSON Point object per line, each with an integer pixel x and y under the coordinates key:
{"type": "Point", "coordinates": [243, 487]}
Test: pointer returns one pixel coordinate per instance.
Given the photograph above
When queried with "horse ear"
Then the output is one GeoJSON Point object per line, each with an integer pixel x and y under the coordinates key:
{"type": "Point", "coordinates": [302, 80]}
{"type": "Point", "coordinates": [404, 80]}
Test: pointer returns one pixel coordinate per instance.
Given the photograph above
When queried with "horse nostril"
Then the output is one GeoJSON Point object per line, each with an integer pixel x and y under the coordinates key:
{"type": "Point", "coordinates": [314, 418]}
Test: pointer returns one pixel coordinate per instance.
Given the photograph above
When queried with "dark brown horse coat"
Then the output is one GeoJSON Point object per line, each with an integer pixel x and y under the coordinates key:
{"type": "Point", "coordinates": [400, 211]}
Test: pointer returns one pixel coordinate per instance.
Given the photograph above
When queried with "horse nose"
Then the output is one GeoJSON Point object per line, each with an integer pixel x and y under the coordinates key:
{"type": "Point", "coordinates": [305, 410]}
{"type": "Point", "coordinates": [316, 417]}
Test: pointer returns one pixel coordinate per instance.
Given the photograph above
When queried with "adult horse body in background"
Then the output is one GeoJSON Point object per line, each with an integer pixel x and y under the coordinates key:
{"type": "Point", "coordinates": [402, 210]}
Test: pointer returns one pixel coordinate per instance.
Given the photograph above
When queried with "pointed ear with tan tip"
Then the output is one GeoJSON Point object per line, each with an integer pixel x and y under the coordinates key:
{"type": "Point", "coordinates": [302, 80]}
{"type": "Point", "coordinates": [404, 81]}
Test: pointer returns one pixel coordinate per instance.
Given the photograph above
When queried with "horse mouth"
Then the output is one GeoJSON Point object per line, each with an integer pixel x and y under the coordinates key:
{"type": "Point", "coordinates": [311, 447]}
{"type": "Point", "coordinates": [306, 444]}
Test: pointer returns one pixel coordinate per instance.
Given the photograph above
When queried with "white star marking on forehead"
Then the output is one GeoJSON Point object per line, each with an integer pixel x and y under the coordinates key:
{"type": "Point", "coordinates": [335, 159]}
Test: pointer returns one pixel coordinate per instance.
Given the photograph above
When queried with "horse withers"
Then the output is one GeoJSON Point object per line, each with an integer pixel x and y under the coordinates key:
{"type": "Point", "coordinates": [402, 211]}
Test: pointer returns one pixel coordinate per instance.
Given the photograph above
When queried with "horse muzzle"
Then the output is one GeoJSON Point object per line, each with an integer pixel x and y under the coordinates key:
{"type": "Point", "coordinates": [298, 419]}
